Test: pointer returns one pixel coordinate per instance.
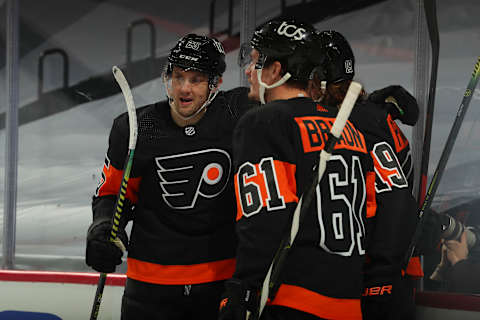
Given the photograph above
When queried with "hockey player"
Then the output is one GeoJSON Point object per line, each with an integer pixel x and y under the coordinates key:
{"type": "Point", "coordinates": [276, 149]}
{"type": "Point", "coordinates": [388, 291]}
{"type": "Point", "coordinates": [182, 243]}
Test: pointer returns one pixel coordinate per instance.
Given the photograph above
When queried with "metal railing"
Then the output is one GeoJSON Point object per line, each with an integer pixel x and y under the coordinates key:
{"type": "Point", "coordinates": [153, 37]}
{"type": "Point", "coordinates": [212, 18]}
{"type": "Point", "coordinates": [41, 60]}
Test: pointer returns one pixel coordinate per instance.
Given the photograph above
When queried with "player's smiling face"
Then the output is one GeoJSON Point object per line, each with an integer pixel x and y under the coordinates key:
{"type": "Point", "coordinates": [189, 90]}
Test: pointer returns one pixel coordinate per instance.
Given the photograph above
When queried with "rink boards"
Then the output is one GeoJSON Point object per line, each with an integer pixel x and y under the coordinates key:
{"type": "Point", "coordinates": [44, 295]}
{"type": "Point", "coordinates": [41, 295]}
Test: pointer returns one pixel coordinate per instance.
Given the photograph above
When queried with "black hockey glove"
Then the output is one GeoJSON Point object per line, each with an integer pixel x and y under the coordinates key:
{"type": "Point", "coordinates": [237, 300]}
{"type": "Point", "coordinates": [399, 103]}
{"type": "Point", "coordinates": [102, 255]}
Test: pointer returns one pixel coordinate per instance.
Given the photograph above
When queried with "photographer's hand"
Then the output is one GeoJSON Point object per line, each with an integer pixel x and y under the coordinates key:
{"type": "Point", "coordinates": [440, 272]}
{"type": "Point", "coordinates": [457, 250]}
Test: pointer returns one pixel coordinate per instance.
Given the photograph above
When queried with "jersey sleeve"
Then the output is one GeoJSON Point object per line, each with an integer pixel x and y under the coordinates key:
{"type": "Point", "coordinates": [265, 190]}
{"type": "Point", "coordinates": [112, 172]}
{"type": "Point", "coordinates": [396, 218]}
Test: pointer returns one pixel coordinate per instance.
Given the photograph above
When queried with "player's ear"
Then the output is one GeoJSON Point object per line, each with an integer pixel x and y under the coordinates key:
{"type": "Point", "coordinates": [276, 70]}
{"type": "Point", "coordinates": [312, 90]}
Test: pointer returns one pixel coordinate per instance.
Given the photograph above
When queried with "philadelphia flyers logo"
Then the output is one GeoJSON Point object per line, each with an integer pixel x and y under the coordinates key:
{"type": "Point", "coordinates": [187, 177]}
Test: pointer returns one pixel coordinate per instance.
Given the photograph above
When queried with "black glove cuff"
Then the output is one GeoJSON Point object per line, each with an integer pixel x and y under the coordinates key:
{"type": "Point", "coordinates": [381, 287]}
{"type": "Point", "coordinates": [103, 209]}
{"type": "Point", "coordinates": [100, 230]}
{"type": "Point", "coordinates": [245, 295]}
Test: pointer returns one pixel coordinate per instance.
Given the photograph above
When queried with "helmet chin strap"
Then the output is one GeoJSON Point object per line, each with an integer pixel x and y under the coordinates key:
{"type": "Point", "coordinates": [263, 85]}
{"type": "Point", "coordinates": [211, 95]}
{"type": "Point", "coordinates": [323, 88]}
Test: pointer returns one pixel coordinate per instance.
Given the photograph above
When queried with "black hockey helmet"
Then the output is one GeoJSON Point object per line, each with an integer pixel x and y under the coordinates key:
{"type": "Point", "coordinates": [341, 61]}
{"type": "Point", "coordinates": [200, 53]}
{"type": "Point", "coordinates": [292, 43]}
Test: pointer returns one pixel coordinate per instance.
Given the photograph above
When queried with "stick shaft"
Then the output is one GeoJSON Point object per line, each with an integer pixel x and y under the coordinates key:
{"type": "Point", "coordinates": [119, 204]}
{"type": "Point", "coordinates": [447, 150]}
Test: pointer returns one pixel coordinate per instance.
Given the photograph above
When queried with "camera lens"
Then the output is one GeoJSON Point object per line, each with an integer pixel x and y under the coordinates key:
{"type": "Point", "coordinates": [453, 229]}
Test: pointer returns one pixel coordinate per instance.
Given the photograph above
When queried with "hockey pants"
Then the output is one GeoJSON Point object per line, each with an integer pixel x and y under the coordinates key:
{"type": "Point", "coordinates": [143, 300]}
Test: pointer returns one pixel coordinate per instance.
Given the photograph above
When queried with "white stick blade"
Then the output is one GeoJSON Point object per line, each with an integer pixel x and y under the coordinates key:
{"type": "Point", "coordinates": [346, 108]}
{"type": "Point", "coordinates": [132, 113]}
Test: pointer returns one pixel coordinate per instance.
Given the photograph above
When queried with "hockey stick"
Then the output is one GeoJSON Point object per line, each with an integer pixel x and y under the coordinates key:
{"type": "Point", "coordinates": [132, 120]}
{"type": "Point", "coordinates": [270, 283]}
{"type": "Point", "coordinates": [430, 9]}
{"type": "Point", "coordinates": [447, 150]}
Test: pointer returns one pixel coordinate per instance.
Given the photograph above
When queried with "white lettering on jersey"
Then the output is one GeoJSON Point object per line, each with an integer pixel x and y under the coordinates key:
{"type": "Point", "coordinates": [291, 31]}
{"type": "Point", "coordinates": [388, 171]}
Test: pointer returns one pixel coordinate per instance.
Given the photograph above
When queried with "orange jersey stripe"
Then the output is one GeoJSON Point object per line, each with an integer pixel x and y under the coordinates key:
{"type": "Point", "coordinates": [111, 184]}
{"type": "Point", "coordinates": [400, 141]}
{"type": "Point", "coordinates": [319, 305]}
{"type": "Point", "coordinates": [180, 274]}
{"type": "Point", "coordinates": [285, 174]}
{"type": "Point", "coordinates": [414, 267]}
{"type": "Point", "coordinates": [371, 198]}
{"type": "Point", "coordinates": [314, 133]}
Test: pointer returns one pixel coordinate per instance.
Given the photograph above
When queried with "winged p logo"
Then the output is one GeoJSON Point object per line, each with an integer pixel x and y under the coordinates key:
{"type": "Point", "coordinates": [186, 177]}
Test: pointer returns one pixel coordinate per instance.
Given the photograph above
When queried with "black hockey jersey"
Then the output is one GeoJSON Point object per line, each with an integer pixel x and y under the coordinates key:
{"type": "Point", "coordinates": [182, 187]}
{"type": "Point", "coordinates": [276, 148]}
{"type": "Point", "coordinates": [396, 218]}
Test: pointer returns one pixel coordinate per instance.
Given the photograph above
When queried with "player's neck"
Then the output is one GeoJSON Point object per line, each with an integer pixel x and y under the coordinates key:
{"type": "Point", "coordinates": [285, 92]}
{"type": "Point", "coordinates": [182, 122]}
